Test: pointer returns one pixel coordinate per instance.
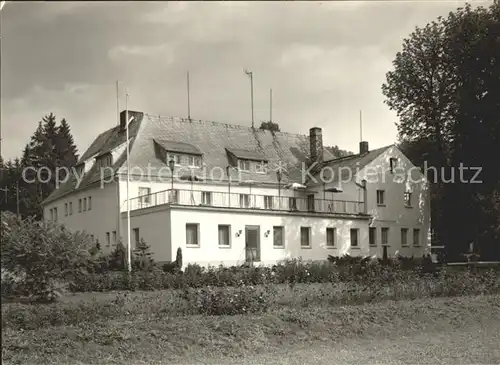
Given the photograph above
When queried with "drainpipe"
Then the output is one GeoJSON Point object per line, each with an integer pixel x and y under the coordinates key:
{"type": "Point", "coordinates": [365, 196]}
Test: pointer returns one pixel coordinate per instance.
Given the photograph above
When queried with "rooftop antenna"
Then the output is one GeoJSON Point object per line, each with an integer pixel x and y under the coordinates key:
{"type": "Point", "coordinates": [189, 106]}
{"type": "Point", "coordinates": [270, 105]}
{"type": "Point", "coordinates": [117, 102]}
{"type": "Point", "coordinates": [250, 74]}
{"type": "Point", "coordinates": [360, 126]}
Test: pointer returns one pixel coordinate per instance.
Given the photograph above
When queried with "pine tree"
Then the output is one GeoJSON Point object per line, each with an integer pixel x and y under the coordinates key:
{"type": "Point", "coordinates": [143, 256]}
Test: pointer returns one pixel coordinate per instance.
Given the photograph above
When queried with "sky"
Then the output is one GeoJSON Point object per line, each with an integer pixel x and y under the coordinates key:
{"type": "Point", "coordinates": [324, 61]}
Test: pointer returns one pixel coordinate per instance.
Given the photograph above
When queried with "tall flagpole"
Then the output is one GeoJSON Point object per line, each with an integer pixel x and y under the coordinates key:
{"type": "Point", "coordinates": [129, 253]}
{"type": "Point", "coordinates": [2, 4]}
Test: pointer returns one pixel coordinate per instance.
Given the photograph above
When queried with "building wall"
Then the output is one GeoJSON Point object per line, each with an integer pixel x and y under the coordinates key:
{"type": "Point", "coordinates": [101, 218]}
{"type": "Point", "coordinates": [154, 228]}
{"type": "Point", "coordinates": [209, 252]}
{"type": "Point", "coordinates": [394, 214]}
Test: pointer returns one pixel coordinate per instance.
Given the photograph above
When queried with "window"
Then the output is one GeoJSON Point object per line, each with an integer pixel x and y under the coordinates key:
{"type": "Point", "coordinates": [114, 237]}
{"type": "Point", "coordinates": [372, 236]}
{"type": "Point", "coordinates": [90, 203]}
{"type": "Point", "coordinates": [175, 157]}
{"type": "Point", "coordinates": [183, 159]}
{"type": "Point", "coordinates": [310, 202]}
{"type": "Point", "coordinates": [278, 238]}
{"type": "Point", "coordinates": [393, 163]}
{"type": "Point", "coordinates": [70, 208]}
{"type": "Point", "coordinates": [305, 236]}
{"type": "Point", "coordinates": [194, 161]}
{"type": "Point", "coordinates": [244, 165]}
{"type": "Point", "coordinates": [354, 237]}
{"type": "Point", "coordinates": [268, 202]}
{"type": "Point", "coordinates": [385, 236]}
{"type": "Point", "coordinates": [66, 209]}
{"type": "Point", "coordinates": [416, 237]}
{"type": "Point", "coordinates": [137, 237]}
{"type": "Point", "coordinates": [330, 237]}
{"type": "Point", "coordinates": [206, 197]}
{"type": "Point", "coordinates": [408, 198]}
{"type": "Point", "coordinates": [404, 236]}
{"type": "Point", "coordinates": [51, 214]}
{"type": "Point", "coordinates": [261, 167]}
{"type": "Point", "coordinates": [292, 203]}
{"type": "Point", "coordinates": [224, 235]}
{"type": "Point", "coordinates": [108, 239]}
{"type": "Point", "coordinates": [144, 195]}
{"type": "Point", "coordinates": [84, 204]}
{"type": "Point", "coordinates": [380, 197]}
{"type": "Point", "coordinates": [192, 234]}
{"type": "Point", "coordinates": [79, 205]}
{"type": "Point", "coordinates": [244, 200]}
{"type": "Point", "coordinates": [92, 237]}
{"type": "Point", "coordinates": [55, 214]}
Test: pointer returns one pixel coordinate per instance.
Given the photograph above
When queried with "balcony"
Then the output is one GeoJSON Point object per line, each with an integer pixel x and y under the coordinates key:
{"type": "Point", "coordinates": [246, 201]}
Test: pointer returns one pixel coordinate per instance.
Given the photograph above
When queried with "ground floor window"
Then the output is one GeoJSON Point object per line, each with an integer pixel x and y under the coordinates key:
{"type": "Point", "coordinates": [192, 238]}
{"type": "Point", "coordinates": [305, 236]}
{"type": "Point", "coordinates": [354, 237]}
{"type": "Point", "coordinates": [278, 238]}
{"type": "Point", "coordinates": [330, 237]}
{"type": "Point", "coordinates": [224, 235]}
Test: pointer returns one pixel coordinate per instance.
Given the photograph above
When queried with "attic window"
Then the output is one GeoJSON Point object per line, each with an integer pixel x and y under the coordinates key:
{"type": "Point", "coordinates": [393, 163]}
{"type": "Point", "coordinates": [104, 161]}
{"type": "Point", "coordinates": [184, 159]}
{"type": "Point", "coordinates": [244, 165]}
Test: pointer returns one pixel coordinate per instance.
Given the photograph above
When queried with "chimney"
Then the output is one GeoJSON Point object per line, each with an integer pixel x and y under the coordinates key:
{"type": "Point", "coordinates": [316, 144]}
{"type": "Point", "coordinates": [363, 147]}
{"type": "Point", "coordinates": [132, 115]}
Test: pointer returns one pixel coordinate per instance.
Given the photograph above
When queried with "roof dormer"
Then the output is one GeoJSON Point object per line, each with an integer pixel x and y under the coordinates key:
{"type": "Point", "coordinates": [183, 154]}
{"type": "Point", "coordinates": [248, 161]}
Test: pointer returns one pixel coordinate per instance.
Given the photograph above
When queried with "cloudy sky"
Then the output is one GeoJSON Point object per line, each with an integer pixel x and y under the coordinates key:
{"type": "Point", "coordinates": [324, 61]}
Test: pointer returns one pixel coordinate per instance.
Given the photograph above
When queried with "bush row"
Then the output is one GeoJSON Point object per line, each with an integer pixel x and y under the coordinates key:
{"type": "Point", "coordinates": [243, 299]}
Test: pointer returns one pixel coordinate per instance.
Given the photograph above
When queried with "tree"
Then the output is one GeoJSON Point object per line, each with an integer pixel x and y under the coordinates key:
{"type": "Point", "coordinates": [337, 152]}
{"type": "Point", "coordinates": [270, 126]}
{"type": "Point", "coordinates": [445, 88]}
{"type": "Point", "coordinates": [143, 256]}
{"type": "Point", "coordinates": [50, 147]}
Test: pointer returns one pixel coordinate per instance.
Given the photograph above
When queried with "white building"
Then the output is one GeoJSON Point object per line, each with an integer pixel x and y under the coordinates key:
{"type": "Point", "coordinates": [240, 194]}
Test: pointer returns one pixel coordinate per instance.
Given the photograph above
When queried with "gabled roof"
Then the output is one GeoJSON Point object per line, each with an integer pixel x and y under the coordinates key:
{"type": "Point", "coordinates": [350, 165]}
{"type": "Point", "coordinates": [106, 142]}
{"type": "Point", "coordinates": [179, 147]}
{"type": "Point", "coordinates": [247, 155]}
{"type": "Point", "coordinates": [214, 140]}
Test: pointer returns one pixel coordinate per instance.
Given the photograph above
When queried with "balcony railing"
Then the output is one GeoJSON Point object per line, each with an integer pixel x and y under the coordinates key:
{"type": "Point", "coordinates": [246, 201]}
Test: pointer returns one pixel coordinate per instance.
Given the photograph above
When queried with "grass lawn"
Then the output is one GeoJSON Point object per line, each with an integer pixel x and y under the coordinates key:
{"type": "Point", "coordinates": [138, 339]}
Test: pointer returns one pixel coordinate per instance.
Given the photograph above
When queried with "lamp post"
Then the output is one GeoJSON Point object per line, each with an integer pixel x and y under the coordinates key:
{"type": "Point", "coordinates": [171, 165]}
{"type": "Point", "coordinates": [278, 175]}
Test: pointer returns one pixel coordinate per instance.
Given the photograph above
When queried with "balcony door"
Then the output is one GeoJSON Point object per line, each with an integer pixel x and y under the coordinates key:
{"type": "Point", "coordinates": [252, 244]}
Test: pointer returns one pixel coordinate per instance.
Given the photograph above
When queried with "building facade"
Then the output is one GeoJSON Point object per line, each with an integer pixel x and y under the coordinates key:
{"type": "Point", "coordinates": [229, 194]}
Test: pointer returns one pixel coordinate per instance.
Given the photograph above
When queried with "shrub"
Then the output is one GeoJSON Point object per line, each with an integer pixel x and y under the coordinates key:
{"type": "Point", "coordinates": [178, 258]}
{"type": "Point", "coordinates": [229, 301]}
{"type": "Point", "coordinates": [143, 257]}
{"type": "Point", "coordinates": [44, 255]}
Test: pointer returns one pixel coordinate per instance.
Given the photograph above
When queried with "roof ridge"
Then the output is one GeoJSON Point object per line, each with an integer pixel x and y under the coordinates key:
{"type": "Point", "coordinates": [235, 126]}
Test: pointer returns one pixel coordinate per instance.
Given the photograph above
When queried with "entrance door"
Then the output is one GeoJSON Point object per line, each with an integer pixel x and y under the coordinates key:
{"type": "Point", "coordinates": [252, 243]}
